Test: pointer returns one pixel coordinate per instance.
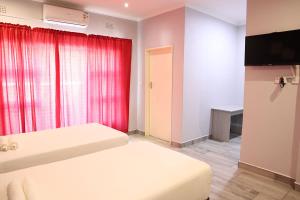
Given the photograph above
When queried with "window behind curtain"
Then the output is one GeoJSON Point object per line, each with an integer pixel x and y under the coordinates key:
{"type": "Point", "coordinates": [73, 78]}
{"type": "Point", "coordinates": [108, 81]}
{"type": "Point", "coordinates": [53, 79]}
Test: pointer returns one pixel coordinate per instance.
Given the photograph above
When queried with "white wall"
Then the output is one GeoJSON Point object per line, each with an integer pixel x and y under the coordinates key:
{"type": "Point", "coordinates": [164, 30]}
{"type": "Point", "coordinates": [30, 13]}
{"type": "Point", "coordinates": [213, 70]}
{"type": "Point", "coordinates": [240, 70]}
{"type": "Point", "coordinates": [270, 132]}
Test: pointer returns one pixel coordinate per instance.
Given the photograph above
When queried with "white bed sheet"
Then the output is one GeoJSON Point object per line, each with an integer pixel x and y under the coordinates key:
{"type": "Point", "coordinates": [48, 146]}
{"type": "Point", "coordinates": [137, 171]}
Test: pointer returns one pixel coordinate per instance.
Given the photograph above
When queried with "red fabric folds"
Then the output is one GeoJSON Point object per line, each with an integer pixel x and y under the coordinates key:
{"type": "Point", "coordinates": [52, 79]}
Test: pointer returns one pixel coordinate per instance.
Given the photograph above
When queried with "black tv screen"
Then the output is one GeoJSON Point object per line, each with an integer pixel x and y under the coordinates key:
{"type": "Point", "coordinates": [280, 48]}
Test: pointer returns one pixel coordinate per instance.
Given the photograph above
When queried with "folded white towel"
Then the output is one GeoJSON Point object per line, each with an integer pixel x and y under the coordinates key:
{"type": "Point", "coordinates": [13, 145]}
{"type": "Point", "coordinates": [3, 140]}
{"type": "Point", "coordinates": [3, 143]}
{"type": "Point", "coordinates": [30, 189]}
{"type": "Point", "coordinates": [15, 191]}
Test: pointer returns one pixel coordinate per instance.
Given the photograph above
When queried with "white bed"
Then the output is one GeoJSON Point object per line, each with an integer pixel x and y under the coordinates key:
{"type": "Point", "coordinates": [137, 171]}
{"type": "Point", "coordinates": [48, 146]}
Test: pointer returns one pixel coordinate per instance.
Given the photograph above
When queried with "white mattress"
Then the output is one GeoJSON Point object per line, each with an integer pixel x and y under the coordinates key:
{"type": "Point", "coordinates": [137, 171]}
{"type": "Point", "coordinates": [58, 144]}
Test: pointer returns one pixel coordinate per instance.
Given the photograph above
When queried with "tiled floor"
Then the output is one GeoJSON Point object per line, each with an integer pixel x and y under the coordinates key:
{"type": "Point", "coordinates": [229, 182]}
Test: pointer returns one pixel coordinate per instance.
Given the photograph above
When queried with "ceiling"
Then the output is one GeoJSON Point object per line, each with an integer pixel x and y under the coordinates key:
{"type": "Point", "coordinates": [232, 11]}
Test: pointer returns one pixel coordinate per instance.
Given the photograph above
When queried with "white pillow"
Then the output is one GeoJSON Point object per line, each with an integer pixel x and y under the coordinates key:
{"type": "Point", "coordinates": [15, 191]}
{"type": "Point", "coordinates": [30, 189]}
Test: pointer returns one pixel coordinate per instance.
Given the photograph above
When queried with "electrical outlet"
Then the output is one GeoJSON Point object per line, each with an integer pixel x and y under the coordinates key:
{"type": "Point", "coordinates": [109, 26]}
{"type": "Point", "coordinates": [277, 80]}
{"type": "Point", "coordinates": [2, 9]}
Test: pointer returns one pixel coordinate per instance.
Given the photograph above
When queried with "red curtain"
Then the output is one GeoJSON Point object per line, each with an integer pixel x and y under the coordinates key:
{"type": "Point", "coordinates": [44, 66]}
{"type": "Point", "coordinates": [17, 92]}
{"type": "Point", "coordinates": [54, 79]}
{"type": "Point", "coordinates": [109, 81]}
{"type": "Point", "coordinates": [73, 58]}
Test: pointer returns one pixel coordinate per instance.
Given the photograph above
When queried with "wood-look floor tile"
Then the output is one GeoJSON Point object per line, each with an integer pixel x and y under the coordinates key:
{"type": "Point", "coordinates": [292, 195]}
{"type": "Point", "coordinates": [263, 197]}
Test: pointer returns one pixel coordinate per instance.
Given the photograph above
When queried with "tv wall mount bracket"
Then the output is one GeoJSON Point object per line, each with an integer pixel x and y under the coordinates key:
{"type": "Point", "coordinates": [293, 78]}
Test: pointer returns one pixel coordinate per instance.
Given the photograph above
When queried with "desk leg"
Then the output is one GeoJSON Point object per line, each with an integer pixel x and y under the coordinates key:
{"type": "Point", "coordinates": [221, 126]}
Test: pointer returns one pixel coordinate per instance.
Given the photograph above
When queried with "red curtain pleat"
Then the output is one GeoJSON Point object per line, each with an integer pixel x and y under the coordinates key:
{"type": "Point", "coordinates": [58, 88]}
{"type": "Point", "coordinates": [2, 107]}
{"type": "Point", "coordinates": [51, 79]}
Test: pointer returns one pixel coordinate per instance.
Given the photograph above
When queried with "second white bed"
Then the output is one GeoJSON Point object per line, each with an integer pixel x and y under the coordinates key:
{"type": "Point", "coordinates": [137, 171]}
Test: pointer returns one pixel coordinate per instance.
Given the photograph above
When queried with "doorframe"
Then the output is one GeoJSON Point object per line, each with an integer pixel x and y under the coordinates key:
{"type": "Point", "coordinates": [147, 86]}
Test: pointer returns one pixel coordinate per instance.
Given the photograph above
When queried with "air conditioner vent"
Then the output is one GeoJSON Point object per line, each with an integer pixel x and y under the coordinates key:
{"type": "Point", "coordinates": [2, 9]}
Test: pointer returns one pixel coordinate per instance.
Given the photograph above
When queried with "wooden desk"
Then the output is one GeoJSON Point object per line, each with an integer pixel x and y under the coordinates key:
{"type": "Point", "coordinates": [221, 121]}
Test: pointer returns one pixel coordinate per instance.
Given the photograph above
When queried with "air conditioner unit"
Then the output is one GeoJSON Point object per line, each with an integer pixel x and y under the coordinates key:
{"type": "Point", "coordinates": [65, 16]}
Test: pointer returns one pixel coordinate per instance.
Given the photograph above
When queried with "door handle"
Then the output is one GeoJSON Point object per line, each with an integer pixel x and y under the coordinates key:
{"type": "Point", "coordinates": [150, 85]}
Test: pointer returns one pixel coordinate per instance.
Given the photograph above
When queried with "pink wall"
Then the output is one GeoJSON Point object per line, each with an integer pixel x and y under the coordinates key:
{"type": "Point", "coordinates": [296, 168]}
{"type": "Point", "coordinates": [164, 30]}
{"type": "Point", "coordinates": [270, 134]}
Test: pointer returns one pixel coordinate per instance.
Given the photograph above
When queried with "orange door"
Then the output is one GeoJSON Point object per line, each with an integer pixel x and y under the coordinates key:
{"type": "Point", "coordinates": [160, 69]}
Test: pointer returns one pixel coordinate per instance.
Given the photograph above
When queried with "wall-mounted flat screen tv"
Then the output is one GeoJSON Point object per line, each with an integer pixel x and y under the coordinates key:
{"type": "Point", "coordinates": [280, 48]}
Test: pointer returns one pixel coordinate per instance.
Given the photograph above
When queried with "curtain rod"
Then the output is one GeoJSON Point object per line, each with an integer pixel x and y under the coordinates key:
{"type": "Point", "coordinates": [62, 30]}
{"type": "Point", "coordinates": [23, 18]}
